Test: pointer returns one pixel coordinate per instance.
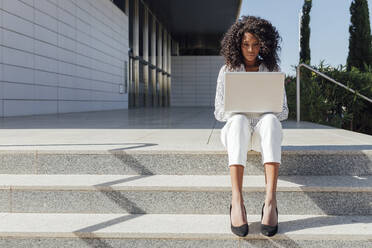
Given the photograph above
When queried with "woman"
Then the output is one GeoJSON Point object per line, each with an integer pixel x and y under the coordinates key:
{"type": "Point", "coordinates": [251, 44]}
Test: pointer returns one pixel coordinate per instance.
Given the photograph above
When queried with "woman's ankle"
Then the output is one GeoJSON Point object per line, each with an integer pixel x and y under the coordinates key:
{"type": "Point", "coordinates": [270, 201]}
{"type": "Point", "coordinates": [237, 198]}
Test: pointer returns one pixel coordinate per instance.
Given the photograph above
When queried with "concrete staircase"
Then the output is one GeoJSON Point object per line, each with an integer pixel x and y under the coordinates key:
{"type": "Point", "coordinates": [155, 198]}
{"type": "Point", "coordinates": [159, 178]}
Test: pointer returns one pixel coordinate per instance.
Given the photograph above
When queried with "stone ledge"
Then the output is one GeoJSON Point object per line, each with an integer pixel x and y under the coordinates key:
{"type": "Point", "coordinates": [186, 226]}
{"type": "Point", "coordinates": [252, 183]}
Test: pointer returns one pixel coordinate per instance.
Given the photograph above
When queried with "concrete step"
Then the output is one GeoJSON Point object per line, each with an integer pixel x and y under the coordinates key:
{"type": "Point", "coordinates": [168, 230]}
{"type": "Point", "coordinates": [175, 194]}
{"type": "Point", "coordinates": [302, 161]}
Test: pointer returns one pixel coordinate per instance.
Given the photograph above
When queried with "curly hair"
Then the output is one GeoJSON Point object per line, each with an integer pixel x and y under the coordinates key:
{"type": "Point", "coordinates": [263, 30]}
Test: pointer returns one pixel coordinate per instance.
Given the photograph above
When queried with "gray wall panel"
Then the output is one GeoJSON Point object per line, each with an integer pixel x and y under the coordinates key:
{"type": "Point", "coordinates": [194, 80]}
{"type": "Point", "coordinates": [59, 56]}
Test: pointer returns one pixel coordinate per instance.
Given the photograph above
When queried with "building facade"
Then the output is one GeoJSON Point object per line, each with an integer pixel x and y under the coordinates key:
{"type": "Point", "coordinates": [60, 56]}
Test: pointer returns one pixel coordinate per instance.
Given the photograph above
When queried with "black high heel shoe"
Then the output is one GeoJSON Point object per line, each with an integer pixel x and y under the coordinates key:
{"type": "Point", "coordinates": [268, 230]}
{"type": "Point", "coordinates": [242, 230]}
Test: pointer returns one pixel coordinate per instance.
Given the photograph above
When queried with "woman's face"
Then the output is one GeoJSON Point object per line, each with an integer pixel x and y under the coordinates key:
{"type": "Point", "coordinates": [250, 48]}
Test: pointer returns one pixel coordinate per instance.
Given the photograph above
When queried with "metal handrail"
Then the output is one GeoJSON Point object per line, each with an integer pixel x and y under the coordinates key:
{"type": "Point", "coordinates": [326, 77]}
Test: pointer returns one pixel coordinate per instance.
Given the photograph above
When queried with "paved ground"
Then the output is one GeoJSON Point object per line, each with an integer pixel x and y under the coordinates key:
{"type": "Point", "coordinates": [192, 129]}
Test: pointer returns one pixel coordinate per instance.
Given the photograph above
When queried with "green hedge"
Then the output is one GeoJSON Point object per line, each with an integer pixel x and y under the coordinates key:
{"type": "Point", "coordinates": [326, 103]}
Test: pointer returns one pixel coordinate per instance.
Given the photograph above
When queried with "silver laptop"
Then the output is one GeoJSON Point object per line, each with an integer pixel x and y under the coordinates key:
{"type": "Point", "coordinates": [254, 92]}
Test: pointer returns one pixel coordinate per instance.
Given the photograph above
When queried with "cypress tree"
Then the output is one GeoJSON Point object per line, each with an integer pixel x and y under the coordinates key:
{"type": "Point", "coordinates": [305, 86]}
{"type": "Point", "coordinates": [305, 33]}
{"type": "Point", "coordinates": [360, 41]}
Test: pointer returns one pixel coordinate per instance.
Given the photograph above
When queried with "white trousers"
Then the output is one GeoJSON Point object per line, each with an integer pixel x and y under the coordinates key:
{"type": "Point", "coordinates": [238, 136]}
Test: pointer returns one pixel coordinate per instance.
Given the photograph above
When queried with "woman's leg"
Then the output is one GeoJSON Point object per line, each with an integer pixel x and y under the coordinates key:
{"type": "Point", "coordinates": [237, 201]}
{"type": "Point", "coordinates": [235, 137]}
{"type": "Point", "coordinates": [269, 129]}
{"type": "Point", "coordinates": [271, 178]}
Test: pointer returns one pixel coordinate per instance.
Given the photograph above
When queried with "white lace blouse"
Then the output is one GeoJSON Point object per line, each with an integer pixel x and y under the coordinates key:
{"type": "Point", "coordinates": [223, 116]}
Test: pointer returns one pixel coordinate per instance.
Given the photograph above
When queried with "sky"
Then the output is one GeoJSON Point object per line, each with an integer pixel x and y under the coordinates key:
{"type": "Point", "coordinates": [329, 25]}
